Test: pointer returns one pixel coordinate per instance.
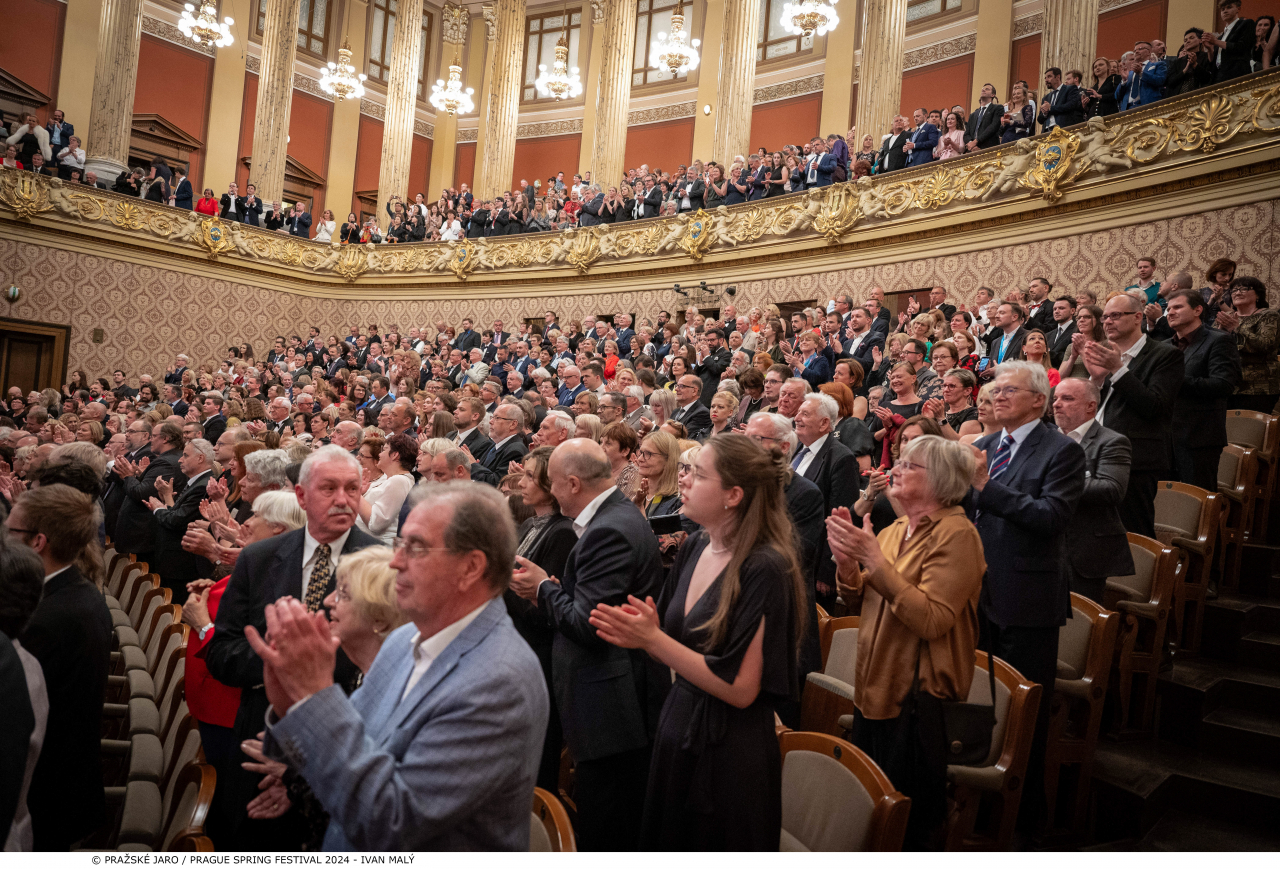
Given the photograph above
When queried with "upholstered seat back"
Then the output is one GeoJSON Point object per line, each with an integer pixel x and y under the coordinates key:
{"type": "Point", "coordinates": [1138, 583]}
{"type": "Point", "coordinates": [843, 657]}
{"type": "Point", "coordinates": [1073, 645]}
{"type": "Point", "coordinates": [980, 693]}
{"type": "Point", "coordinates": [1228, 468]}
{"type": "Point", "coordinates": [539, 840]}
{"type": "Point", "coordinates": [1246, 431]}
{"type": "Point", "coordinates": [824, 806]}
{"type": "Point", "coordinates": [1177, 513]}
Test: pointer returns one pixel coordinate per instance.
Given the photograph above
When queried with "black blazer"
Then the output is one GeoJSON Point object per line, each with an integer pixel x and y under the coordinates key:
{"type": "Point", "coordinates": [479, 445]}
{"type": "Point", "coordinates": [113, 494]}
{"type": "Point", "coordinates": [696, 194]}
{"type": "Point", "coordinates": [550, 551]}
{"type": "Point", "coordinates": [214, 427]}
{"type": "Point", "coordinates": [70, 635]}
{"type": "Point", "coordinates": [805, 507]}
{"type": "Point", "coordinates": [992, 340]}
{"type": "Point", "coordinates": [1211, 373]}
{"type": "Point", "coordinates": [1140, 405]}
{"type": "Point", "coordinates": [696, 420]}
{"type": "Point", "coordinates": [1023, 519]}
{"type": "Point", "coordinates": [891, 154]}
{"type": "Point", "coordinates": [834, 470]}
{"type": "Point", "coordinates": [1066, 108]}
{"type": "Point", "coordinates": [863, 356]}
{"type": "Point", "coordinates": [609, 698]}
{"type": "Point", "coordinates": [1042, 319]}
{"type": "Point", "coordinates": [1059, 344]}
{"type": "Point", "coordinates": [251, 214]}
{"type": "Point", "coordinates": [1099, 547]}
{"type": "Point", "coordinates": [983, 127]}
{"type": "Point", "coordinates": [590, 215]}
{"type": "Point", "coordinates": [135, 530]}
{"type": "Point", "coordinates": [175, 566]}
{"type": "Point", "coordinates": [709, 370]}
{"type": "Point", "coordinates": [182, 195]}
{"type": "Point", "coordinates": [499, 458]}
{"type": "Point", "coordinates": [225, 202]}
{"type": "Point", "coordinates": [1238, 54]}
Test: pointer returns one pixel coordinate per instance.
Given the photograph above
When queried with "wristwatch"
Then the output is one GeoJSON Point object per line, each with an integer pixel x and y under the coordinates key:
{"type": "Point", "coordinates": [202, 631]}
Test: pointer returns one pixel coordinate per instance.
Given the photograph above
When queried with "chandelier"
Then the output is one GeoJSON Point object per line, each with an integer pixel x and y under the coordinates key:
{"type": "Point", "coordinates": [340, 79]}
{"type": "Point", "coordinates": [807, 17]}
{"type": "Point", "coordinates": [205, 27]}
{"type": "Point", "coordinates": [675, 53]}
{"type": "Point", "coordinates": [450, 97]}
{"type": "Point", "coordinates": [561, 82]}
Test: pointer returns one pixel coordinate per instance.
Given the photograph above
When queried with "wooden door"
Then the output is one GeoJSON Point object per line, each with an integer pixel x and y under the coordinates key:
{"type": "Point", "coordinates": [33, 355]}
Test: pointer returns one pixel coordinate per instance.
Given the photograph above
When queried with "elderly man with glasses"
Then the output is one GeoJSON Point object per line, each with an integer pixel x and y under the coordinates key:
{"type": "Point", "coordinates": [690, 411]}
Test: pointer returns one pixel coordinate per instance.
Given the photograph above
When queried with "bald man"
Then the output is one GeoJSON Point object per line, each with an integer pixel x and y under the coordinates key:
{"type": "Point", "coordinates": [616, 555]}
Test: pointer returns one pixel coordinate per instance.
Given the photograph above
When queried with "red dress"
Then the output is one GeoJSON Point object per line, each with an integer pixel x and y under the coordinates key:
{"type": "Point", "coordinates": [209, 700]}
{"type": "Point", "coordinates": [207, 206]}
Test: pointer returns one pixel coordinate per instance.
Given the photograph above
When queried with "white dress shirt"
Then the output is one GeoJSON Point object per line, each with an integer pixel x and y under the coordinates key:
{"type": "Point", "coordinates": [425, 651]}
{"type": "Point", "coordinates": [56, 572]}
{"type": "Point", "coordinates": [1125, 358]}
{"type": "Point", "coordinates": [583, 519]}
{"type": "Point", "coordinates": [1019, 435]}
{"type": "Point", "coordinates": [309, 547]}
{"type": "Point", "coordinates": [1077, 434]}
{"type": "Point", "coordinates": [813, 451]}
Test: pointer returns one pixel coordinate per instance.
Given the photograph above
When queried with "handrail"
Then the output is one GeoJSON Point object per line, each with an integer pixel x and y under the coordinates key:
{"type": "Point", "coordinates": [1087, 160]}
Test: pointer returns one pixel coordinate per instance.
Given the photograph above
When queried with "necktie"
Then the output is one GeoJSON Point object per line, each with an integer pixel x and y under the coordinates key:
{"type": "Point", "coordinates": [1000, 461]}
{"type": "Point", "coordinates": [318, 587]}
{"type": "Point", "coordinates": [795, 463]}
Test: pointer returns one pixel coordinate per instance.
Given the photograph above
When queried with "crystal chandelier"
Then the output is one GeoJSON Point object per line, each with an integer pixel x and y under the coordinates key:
{"type": "Point", "coordinates": [205, 27]}
{"type": "Point", "coordinates": [807, 17]}
{"type": "Point", "coordinates": [340, 79]}
{"type": "Point", "coordinates": [450, 97]}
{"type": "Point", "coordinates": [675, 53]}
{"type": "Point", "coordinates": [561, 82]}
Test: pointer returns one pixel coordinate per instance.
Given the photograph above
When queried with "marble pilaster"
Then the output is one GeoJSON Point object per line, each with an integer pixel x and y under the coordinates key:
{"type": "Point", "coordinates": [735, 96]}
{"type": "Point", "coordinates": [275, 97]}
{"type": "Point", "coordinates": [1070, 35]}
{"type": "Point", "coordinates": [115, 75]}
{"type": "Point", "coordinates": [614, 97]}
{"type": "Point", "coordinates": [884, 36]}
{"type": "Point", "coordinates": [402, 95]}
{"type": "Point", "coordinates": [496, 161]}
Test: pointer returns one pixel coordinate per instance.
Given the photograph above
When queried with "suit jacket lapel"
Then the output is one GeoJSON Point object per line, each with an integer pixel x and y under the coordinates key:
{"type": "Point", "coordinates": [1025, 449]}
{"type": "Point", "coordinates": [815, 470]}
{"type": "Point", "coordinates": [286, 567]}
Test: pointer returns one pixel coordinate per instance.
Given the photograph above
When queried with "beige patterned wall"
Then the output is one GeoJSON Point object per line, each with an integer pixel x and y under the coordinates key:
{"type": "Point", "coordinates": [148, 314]}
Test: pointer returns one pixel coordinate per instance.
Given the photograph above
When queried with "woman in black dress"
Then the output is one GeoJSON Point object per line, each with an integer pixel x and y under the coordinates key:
{"type": "Point", "coordinates": [545, 540]}
{"type": "Point", "coordinates": [732, 618]}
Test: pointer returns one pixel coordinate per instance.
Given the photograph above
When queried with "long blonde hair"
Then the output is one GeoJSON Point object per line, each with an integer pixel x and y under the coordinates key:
{"type": "Point", "coordinates": [762, 524]}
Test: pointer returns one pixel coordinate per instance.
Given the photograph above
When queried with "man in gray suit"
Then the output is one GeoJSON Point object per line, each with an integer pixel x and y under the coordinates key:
{"type": "Point", "coordinates": [1098, 547]}
{"type": "Point", "coordinates": [439, 748]}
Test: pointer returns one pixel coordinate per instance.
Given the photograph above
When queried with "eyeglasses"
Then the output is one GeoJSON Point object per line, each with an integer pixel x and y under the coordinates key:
{"type": "Point", "coordinates": [1000, 391]}
{"type": "Point", "coordinates": [685, 386]}
{"type": "Point", "coordinates": [414, 549]}
{"type": "Point", "coordinates": [908, 466]}
{"type": "Point", "coordinates": [649, 454]}
{"type": "Point", "coordinates": [762, 438]}
{"type": "Point", "coordinates": [1116, 315]}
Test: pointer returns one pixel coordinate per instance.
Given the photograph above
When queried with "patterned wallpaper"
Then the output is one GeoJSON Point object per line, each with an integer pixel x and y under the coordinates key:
{"type": "Point", "coordinates": [148, 314]}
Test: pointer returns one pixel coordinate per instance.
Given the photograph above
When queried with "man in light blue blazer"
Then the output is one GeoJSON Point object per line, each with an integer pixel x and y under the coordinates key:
{"type": "Point", "coordinates": [439, 748]}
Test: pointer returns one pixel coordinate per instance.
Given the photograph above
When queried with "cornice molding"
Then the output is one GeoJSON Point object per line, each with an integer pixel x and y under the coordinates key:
{"type": "Point", "coordinates": [1028, 25]}
{"type": "Point", "coordinates": [940, 51]}
{"type": "Point", "coordinates": [470, 135]}
{"type": "Point", "coordinates": [661, 113]}
{"type": "Point", "coordinates": [798, 87]}
{"type": "Point", "coordinates": [253, 64]}
{"type": "Point", "coordinates": [373, 110]}
{"type": "Point", "coordinates": [564, 127]}
{"type": "Point", "coordinates": [170, 33]}
{"type": "Point", "coordinates": [309, 85]}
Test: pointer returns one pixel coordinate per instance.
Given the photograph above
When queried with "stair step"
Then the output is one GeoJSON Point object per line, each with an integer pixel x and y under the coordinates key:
{"type": "Point", "coordinates": [1183, 831]}
{"type": "Point", "coordinates": [1195, 687]}
{"type": "Point", "coordinates": [1242, 733]}
{"type": "Point", "coordinates": [1261, 649]}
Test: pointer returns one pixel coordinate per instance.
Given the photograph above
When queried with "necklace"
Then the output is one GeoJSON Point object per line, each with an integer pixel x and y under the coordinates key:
{"type": "Point", "coordinates": [715, 551]}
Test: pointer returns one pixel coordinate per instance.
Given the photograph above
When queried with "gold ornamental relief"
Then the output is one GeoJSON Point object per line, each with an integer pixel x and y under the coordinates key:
{"type": "Point", "coordinates": [698, 234]}
{"type": "Point", "coordinates": [215, 237]}
{"type": "Point", "coordinates": [27, 194]}
{"type": "Point", "coordinates": [1052, 161]}
{"type": "Point", "coordinates": [353, 261]}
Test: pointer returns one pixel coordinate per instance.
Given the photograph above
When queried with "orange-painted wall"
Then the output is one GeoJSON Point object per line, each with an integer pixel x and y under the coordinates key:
{"type": "Point", "coordinates": [1119, 29]}
{"type": "Point", "coordinates": [464, 165]}
{"type": "Point", "coordinates": [787, 122]}
{"type": "Point", "coordinates": [662, 146]}
{"type": "Point", "coordinates": [247, 114]}
{"type": "Point", "coordinates": [419, 163]}
{"type": "Point", "coordinates": [368, 157]}
{"type": "Point", "coordinates": [1024, 63]}
{"type": "Point", "coordinates": [309, 121]}
{"type": "Point", "coordinates": [174, 83]}
{"type": "Point", "coordinates": [31, 49]}
{"type": "Point", "coordinates": [544, 157]}
{"type": "Point", "coordinates": [938, 86]}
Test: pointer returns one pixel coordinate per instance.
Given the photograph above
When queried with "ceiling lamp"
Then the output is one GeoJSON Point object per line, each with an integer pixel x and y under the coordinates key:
{"type": "Point", "coordinates": [340, 79]}
{"type": "Point", "coordinates": [450, 97]}
{"type": "Point", "coordinates": [562, 82]}
{"type": "Point", "coordinates": [205, 27]}
{"type": "Point", "coordinates": [807, 17]}
{"type": "Point", "coordinates": [675, 53]}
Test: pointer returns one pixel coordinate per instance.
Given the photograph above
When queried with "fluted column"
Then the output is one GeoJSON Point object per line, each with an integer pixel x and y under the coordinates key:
{"type": "Point", "coordinates": [496, 162]}
{"type": "Point", "coordinates": [116, 73]}
{"type": "Point", "coordinates": [455, 21]}
{"type": "Point", "coordinates": [402, 95]}
{"type": "Point", "coordinates": [736, 94]}
{"type": "Point", "coordinates": [1070, 34]}
{"type": "Point", "coordinates": [275, 96]}
{"type": "Point", "coordinates": [884, 35]}
{"type": "Point", "coordinates": [614, 97]}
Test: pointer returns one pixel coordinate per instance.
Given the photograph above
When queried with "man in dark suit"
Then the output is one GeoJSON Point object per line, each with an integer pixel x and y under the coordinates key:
{"type": "Point", "coordinates": [135, 526]}
{"type": "Point", "coordinates": [214, 423]}
{"type": "Point", "coordinates": [651, 201]}
{"type": "Point", "coordinates": [380, 391]}
{"type": "Point", "coordinates": [1139, 379]}
{"type": "Point", "coordinates": [690, 411]}
{"type": "Point", "coordinates": [713, 358]}
{"type": "Point", "coordinates": [60, 132]}
{"type": "Point", "coordinates": [938, 302]}
{"type": "Point", "coordinates": [592, 203]}
{"type": "Point", "coordinates": [70, 635]}
{"type": "Point", "coordinates": [1040, 309]}
{"type": "Point", "coordinates": [829, 465]}
{"type": "Point", "coordinates": [880, 321]}
{"type": "Point", "coordinates": [301, 564]}
{"type": "Point", "coordinates": [232, 204]}
{"type": "Point", "coordinates": [1061, 106]}
{"type": "Point", "coordinates": [468, 338]}
{"type": "Point", "coordinates": [467, 416]}
{"type": "Point", "coordinates": [1211, 373]}
{"type": "Point", "coordinates": [759, 177]}
{"type": "Point", "coordinates": [175, 566]}
{"type": "Point", "coordinates": [690, 190]}
{"type": "Point", "coordinates": [479, 221]}
{"type": "Point", "coordinates": [1144, 82]}
{"type": "Point", "coordinates": [180, 363]}
{"type": "Point", "coordinates": [299, 221]}
{"type": "Point", "coordinates": [1026, 486]}
{"type": "Point", "coordinates": [1097, 545]}
{"type": "Point", "coordinates": [891, 154]}
{"type": "Point", "coordinates": [860, 340]}
{"type": "Point", "coordinates": [983, 127]}
{"type": "Point", "coordinates": [1005, 337]}
{"type": "Point", "coordinates": [1058, 335]}
{"type": "Point", "coordinates": [608, 697]}
{"type": "Point", "coordinates": [252, 206]}
{"type": "Point", "coordinates": [506, 425]}
{"type": "Point", "coordinates": [923, 139]}
{"type": "Point", "coordinates": [137, 446]}
{"type": "Point", "coordinates": [182, 195]}
{"type": "Point", "coordinates": [1232, 49]}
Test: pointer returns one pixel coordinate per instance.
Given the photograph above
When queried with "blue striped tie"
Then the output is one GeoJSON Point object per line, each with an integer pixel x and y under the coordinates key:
{"type": "Point", "coordinates": [1000, 461]}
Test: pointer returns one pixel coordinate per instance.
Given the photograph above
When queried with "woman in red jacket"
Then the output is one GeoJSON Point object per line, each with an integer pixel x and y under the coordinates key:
{"type": "Point", "coordinates": [207, 204]}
